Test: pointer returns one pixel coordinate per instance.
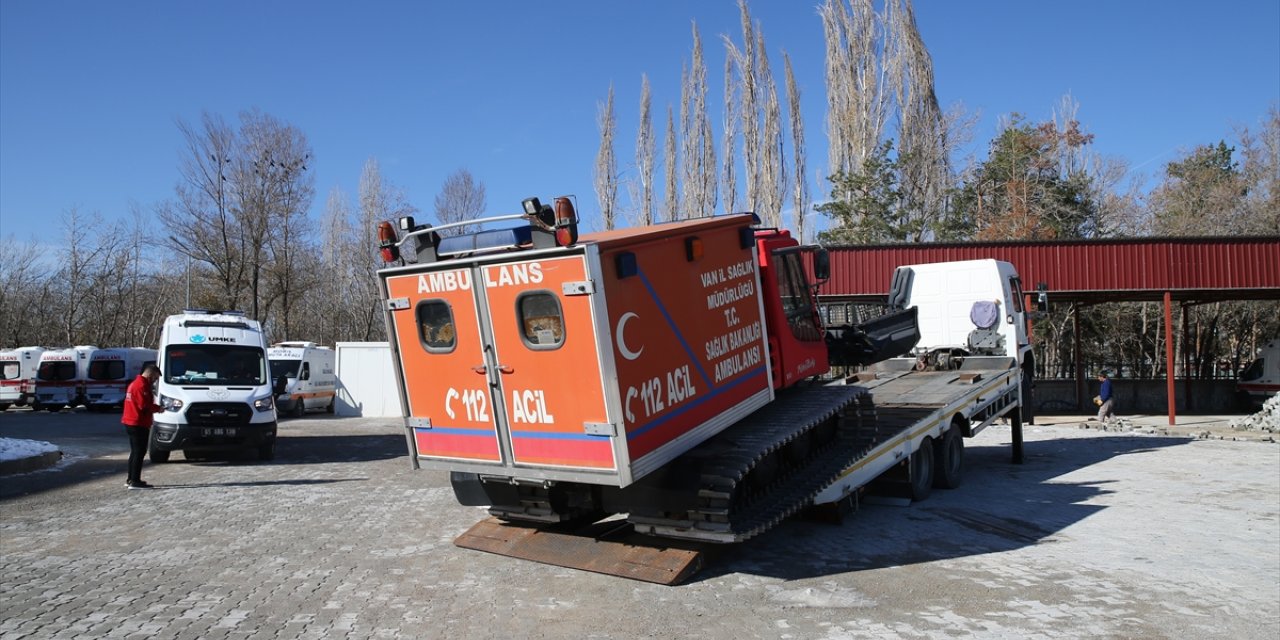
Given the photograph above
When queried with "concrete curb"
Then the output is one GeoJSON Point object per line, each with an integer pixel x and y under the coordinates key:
{"type": "Point", "coordinates": [30, 463]}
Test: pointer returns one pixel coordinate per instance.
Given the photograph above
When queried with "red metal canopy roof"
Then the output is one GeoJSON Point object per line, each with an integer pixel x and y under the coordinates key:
{"type": "Point", "coordinates": [1202, 269]}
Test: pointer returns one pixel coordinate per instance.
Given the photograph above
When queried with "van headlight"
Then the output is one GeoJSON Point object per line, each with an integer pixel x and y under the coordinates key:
{"type": "Point", "coordinates": [263, 404]}
{"type": "Point", "coordinates": [170, 404]}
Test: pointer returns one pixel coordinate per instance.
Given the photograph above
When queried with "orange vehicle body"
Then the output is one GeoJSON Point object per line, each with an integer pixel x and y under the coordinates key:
{"type": "Point", "coordinates": [598, 362]}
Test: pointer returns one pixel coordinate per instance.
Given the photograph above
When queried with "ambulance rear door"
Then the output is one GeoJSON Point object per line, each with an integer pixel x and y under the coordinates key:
{"type": "Point", "coordinates": [548, 366]}
{"type": "Point", "coordinates": [444, 380]}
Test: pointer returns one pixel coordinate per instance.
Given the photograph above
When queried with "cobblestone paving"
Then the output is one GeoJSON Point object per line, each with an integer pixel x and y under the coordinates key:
{"type": "Point", "coordinates": [1097, 535]}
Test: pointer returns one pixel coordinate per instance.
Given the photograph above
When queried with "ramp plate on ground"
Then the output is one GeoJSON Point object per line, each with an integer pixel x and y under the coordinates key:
{"type": "Point", "coordinates": [610, 547]}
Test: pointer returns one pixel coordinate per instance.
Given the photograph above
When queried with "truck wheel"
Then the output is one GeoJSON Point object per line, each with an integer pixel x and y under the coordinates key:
{"type": "Point", "coordinates": [949, 457]}
{"type": "Point", "coordinates": [159, 457]}
{"type": "Point", "coordinates": [922, 470]}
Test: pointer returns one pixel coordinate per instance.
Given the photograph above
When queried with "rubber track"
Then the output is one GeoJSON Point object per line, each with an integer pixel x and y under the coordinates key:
{"type": "Point", "coordinates": [730, 456]}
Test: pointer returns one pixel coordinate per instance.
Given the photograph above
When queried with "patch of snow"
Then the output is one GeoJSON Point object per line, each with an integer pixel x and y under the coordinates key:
{"type": "Point", "coordinates": [15, 449]}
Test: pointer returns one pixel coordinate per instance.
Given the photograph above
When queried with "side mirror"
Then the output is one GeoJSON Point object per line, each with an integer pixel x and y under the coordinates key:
{"type": "Point", "coordinates": [282, 383]}
{"type": "Point", "coordinates": [821, 265]}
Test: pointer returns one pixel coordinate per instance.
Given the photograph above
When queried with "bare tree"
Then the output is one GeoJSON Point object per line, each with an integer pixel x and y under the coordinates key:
{"type": "Point", "coordinates": [461, 198]}
{"type": "Point", "coordinates": [923, 163]}
{"type": "Point", "coordinates": [862, 62]}
{"type": "Point", "coordinates": [745, 61]}
{"type": "Point", "coordinates": [773, 173]}
{"type": "Point", "coordinates": [380, 201]}
{"type": "Point", "coordinates": [23, 290]}
{"type": "Point", "coordinates": [237, 189]}
{"type": "Point", "coordinates": [800, 196]}
{"type": "Point", "coordinates": [201, 221]}
{"type": "Point", "coordinates": [1260, 172]}
{"type": "Point", "coordinates": [671, 167]}
{"type": "Point", "coordinates": [606, 169]}
{"type": "Point", "coordinates": [644, 153]}
{"type": "Point", "coordinates": [729, 177]}
{"type": "Point", "coordinates": [336, 306]}
{"type": "Point", "coordinates": [699, 175]}
{"type": "Point", "coordinates": [272, 188]}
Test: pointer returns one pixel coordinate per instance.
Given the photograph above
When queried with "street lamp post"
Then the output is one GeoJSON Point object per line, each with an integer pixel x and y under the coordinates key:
{"type": "Point", "coordinates": [183, 249]}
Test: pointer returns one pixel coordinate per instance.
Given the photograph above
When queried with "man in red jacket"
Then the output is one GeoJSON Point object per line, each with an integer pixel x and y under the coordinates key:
{"type": "Point", "coordinates": [139, 405]}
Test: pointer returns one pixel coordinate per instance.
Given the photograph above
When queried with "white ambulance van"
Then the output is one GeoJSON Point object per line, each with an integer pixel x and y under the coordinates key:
{"type": "Point", "coordinates": [18, 375]}
{"type": "Point", "coordinates": [110, 372]}
{"type": "Point", "coordinates": [309, 371]}
{"type": "Point", "coordinates": [214, 385]}
{"type": "Point", "coordinates": [61, 377]}
{"type": "Point", "coordinates": [1261, 379]}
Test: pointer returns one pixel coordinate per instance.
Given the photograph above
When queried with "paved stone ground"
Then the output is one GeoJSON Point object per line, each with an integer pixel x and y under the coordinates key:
{"type": "Point", "coordinates": [1099, 534]}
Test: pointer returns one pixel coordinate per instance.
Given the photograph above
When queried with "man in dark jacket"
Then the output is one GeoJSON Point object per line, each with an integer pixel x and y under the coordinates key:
{"type": "Point", "coordinates": [139, 405]}
{"type": "Point", "coordinates": [1105, 399]}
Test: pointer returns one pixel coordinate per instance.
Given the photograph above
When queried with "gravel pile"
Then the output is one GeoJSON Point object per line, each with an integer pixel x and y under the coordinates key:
{"type": "Point", "coordinates": [1268, 419]}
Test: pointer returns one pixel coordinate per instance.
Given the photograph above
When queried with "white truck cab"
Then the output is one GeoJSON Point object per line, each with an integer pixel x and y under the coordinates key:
{"type": "Point", "coordinates": [973, 305]}
{"type": "Point", "coordinates": [214, 385]}
{"type": "Point", "coordinates": [309, 371]}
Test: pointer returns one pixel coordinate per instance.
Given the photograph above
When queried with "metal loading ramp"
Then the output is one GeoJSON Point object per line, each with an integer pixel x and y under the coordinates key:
{"type": "Point", "coordinates": [611, 547]}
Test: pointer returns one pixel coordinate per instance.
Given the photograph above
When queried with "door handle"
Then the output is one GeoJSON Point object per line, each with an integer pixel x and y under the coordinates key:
{"type": "Point", "coordinates": [480, 369]}
{"type": "Point", "coordinates": [502, 368]}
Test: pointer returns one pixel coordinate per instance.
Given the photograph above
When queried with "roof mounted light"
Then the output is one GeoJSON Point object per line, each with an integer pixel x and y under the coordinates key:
{"type": "Point", "coordinates": [387, 242]}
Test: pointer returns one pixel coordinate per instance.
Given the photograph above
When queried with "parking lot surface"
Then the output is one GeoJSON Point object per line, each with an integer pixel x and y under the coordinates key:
{"type": "Point", "coordinates": [1098, 534]}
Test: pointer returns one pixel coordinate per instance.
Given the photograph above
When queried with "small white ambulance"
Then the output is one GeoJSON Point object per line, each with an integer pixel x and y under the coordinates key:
{"type": "Point", "coordinates": [110, 372]}
{"type": "Point", "coordinates": [61, 377]}
{"type": "Point", "coordinates": [309, 371]}
{"type": "Point", "coordinates": [17, 375]}
{"type": "Point", "coordinates": [214, 385]}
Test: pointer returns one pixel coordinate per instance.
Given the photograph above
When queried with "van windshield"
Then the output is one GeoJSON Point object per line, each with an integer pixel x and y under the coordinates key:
{"type": "Point", "coordinates": [56, 370]}
{"type": "Point", "coordinates": [1253, 371]}
{"type": "Point", "coordinates": [214, 364]}
{"type": "Point", "coordinates": [287, 368]}
{"type": "Point", "coordinates": [106, 370]}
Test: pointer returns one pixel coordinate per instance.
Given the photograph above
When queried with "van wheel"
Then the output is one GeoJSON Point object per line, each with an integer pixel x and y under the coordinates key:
{"type": "Point", "coordinates": [267, 451]}
{"type": "Point", "coordinates": [4, 406]}
{"type": "Point", "coordinates": [329, 409]}
{"type": "Point", "coordinates": [299, 409]}
{"type": "Point", "coordinates": [949, 457]}
{"type": "Point", "coordinates": [53, 408]}
{"type": "Point", "coordinates": [922, 470]}
{"type": "Point", "coordinates": [159, 457]}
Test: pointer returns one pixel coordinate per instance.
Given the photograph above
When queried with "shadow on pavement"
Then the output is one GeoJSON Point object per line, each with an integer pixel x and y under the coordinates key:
{"type": "Point", "coordinates": [88, 463]}
{"type": "Point", "coordinates": [999, 507]}
{"type": "Point", "coordinates": [260, 483]}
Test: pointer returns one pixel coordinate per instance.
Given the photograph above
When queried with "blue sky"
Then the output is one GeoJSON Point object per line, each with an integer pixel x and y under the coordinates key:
{"type": "Point", "coordinates": [90, 91]}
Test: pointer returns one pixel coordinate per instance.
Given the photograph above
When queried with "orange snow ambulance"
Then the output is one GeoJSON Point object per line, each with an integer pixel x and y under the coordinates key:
{"type": "Point", "coordinates": [557, 378]}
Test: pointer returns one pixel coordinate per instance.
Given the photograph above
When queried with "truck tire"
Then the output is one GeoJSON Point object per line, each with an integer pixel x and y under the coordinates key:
{"type": "Point", "coordinates": [922, 470]}
{"type": "Point", "coordinates": [159, 456]}
{"type": "Point", "coordinates": [948, 457]}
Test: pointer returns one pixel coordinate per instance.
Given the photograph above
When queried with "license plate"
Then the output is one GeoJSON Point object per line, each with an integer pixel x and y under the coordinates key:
{"type": "Point", "coordinates": [220, 431]}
